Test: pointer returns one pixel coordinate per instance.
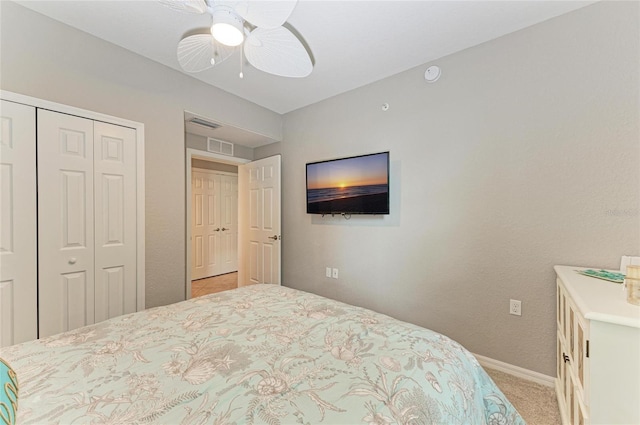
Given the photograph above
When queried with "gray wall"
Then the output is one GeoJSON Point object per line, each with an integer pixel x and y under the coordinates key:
{"type": "Point", "coordinates": [524, 154]}
{"type": "Point", "coordinates": [49, 60]}
{"type": "Point", "coordinates": [267, 150]}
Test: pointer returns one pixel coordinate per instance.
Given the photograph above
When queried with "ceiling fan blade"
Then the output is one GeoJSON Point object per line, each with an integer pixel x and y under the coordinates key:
{"type": "Point", "coordinates": [188, 6]}
{"type": "Point", "coordinates": [195, 53]}
{"type": "Point", "coordinates": [265, 13]}
{"type": "Point", "coordinates": [277, 51]}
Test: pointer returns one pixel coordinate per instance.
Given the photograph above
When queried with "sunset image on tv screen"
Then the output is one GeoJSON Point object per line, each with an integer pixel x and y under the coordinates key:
{"type": "Point", "coordinates": [350, 185]}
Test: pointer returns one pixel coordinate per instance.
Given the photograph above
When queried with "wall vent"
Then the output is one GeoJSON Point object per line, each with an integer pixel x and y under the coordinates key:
{"type": "Point", "coordinates": [219, 146]}
{"type": "Point", "coordinates": [205, 123]}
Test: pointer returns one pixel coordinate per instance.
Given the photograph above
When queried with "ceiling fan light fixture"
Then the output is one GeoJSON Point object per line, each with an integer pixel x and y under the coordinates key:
{"type": "Point", "coordinates": [227, 27]}
{"type": "Point", "coordinates": [256, 26]}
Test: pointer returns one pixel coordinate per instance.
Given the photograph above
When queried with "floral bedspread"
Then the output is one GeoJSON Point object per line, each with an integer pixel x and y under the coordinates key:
{"type": "Point", "coordinates": [261, 354]}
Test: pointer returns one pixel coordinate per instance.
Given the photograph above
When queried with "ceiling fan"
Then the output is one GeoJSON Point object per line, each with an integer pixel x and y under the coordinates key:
{"type": "Point", "coordinates": [254, 26]}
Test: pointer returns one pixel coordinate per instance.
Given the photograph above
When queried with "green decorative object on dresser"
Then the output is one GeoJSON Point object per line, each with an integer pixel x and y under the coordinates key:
{"type": "Point", "coordinates": [603, 274]}
{"type": "Point", "coordinates": [8, 394]}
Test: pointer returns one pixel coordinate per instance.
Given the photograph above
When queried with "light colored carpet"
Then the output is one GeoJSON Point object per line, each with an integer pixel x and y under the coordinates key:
{"type": "Point", "coordinates": [537, 404]}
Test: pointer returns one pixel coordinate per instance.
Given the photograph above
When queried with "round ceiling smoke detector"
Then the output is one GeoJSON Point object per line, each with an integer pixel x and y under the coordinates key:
{"type": "Point", "coordinates": [432, 74]}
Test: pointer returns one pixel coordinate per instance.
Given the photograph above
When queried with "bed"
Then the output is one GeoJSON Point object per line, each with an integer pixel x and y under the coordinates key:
{"type": "Point", "coordinates": [261, 354]}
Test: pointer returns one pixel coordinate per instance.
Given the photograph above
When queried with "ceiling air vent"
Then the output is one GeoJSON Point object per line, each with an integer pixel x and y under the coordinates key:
{"type": "Point", "coordinates": [219, 146]}
{"type": "Point", "coordinates": [204, 123]}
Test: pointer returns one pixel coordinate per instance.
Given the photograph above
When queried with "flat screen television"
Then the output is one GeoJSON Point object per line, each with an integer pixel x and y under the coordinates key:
{"type": "Point", "coordinates": [354, 185]}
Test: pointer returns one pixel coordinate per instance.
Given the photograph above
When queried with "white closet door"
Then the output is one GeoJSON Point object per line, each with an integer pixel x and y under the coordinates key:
{"type": "Point", "coordinates": [65, 222]}
{"type": "Point", "coordinates": [115, 220]}
{"type": "Point", "coordinates": [18, 279]}
{"type": "Point", "coordinates": [206, 227]}
{"type": "Point", "coordinates": [229, 220]}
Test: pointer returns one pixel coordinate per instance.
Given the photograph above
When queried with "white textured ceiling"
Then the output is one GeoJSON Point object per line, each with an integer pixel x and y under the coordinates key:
{"type": "Point", "coordinates": [353, 43]}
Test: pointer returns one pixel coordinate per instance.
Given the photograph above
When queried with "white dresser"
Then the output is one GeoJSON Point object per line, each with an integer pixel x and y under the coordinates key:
{"type": "Point", "coordinates": [598, 352]}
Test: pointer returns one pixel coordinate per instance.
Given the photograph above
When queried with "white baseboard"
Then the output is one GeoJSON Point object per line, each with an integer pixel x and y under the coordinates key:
{"type": "Point", "coordinates": [517, 371]}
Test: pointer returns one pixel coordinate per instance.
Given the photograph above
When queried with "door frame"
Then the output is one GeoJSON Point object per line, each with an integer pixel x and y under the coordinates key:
{"type": "Point", "coordinates": [206, 156]}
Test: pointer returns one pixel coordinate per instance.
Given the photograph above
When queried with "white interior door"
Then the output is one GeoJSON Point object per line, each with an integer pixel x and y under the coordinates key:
{"type": "Point", "coordinates": [65, 222]}
{"type": "Point", "coordinates": [205, 224]}
{"type": "Point", "coordinates": [115, 220]}
{"type": "Point", "coordinates": [229, 219]}
{"type": "Point", "coordinates": [260, 223]}
{"type": "Point", "coordinates": [18, 278]}
{"type": "Point", "coordinates": [214, 223]}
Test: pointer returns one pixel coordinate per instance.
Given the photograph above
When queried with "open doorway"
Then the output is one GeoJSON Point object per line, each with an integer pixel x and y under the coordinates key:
{"type": "Point", "coordinates": [218, 149]}
{"type": "Point", "coordinates": [214, 227]}
{"type": "Point", "coordinates": [211, 206]}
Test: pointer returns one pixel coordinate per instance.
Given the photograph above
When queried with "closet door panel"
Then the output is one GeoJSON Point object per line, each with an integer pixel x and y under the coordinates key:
{"type": "Point", "coordinates": [229, 219]}
{"type": "Point", "coordinates": [65, 222]}
{"type": "Point", "coordinates": [206, 228]}
{"type": "Point", "coordinates": [115, 220]}
{"type": "Point", "coordinates": [18, 279]}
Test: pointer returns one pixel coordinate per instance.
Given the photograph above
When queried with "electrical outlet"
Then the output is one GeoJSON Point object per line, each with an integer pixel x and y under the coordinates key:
{"type": "Point", "coordinates": [327, 272]}
{"type": "Point", "coordinates": [335, 273]}
{"type": "Point", "coordinates": [515, 307]}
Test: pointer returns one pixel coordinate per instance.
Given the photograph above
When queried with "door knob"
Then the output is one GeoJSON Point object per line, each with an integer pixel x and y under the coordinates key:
{"type": "Point", "coordinates": [72, 260]}
{"type": "Point", "coordinates": [217, 229]}
{"type": "Point", "coordinates": [274, 237]}
{"type": "Point", "coordinates": [223, 229]}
